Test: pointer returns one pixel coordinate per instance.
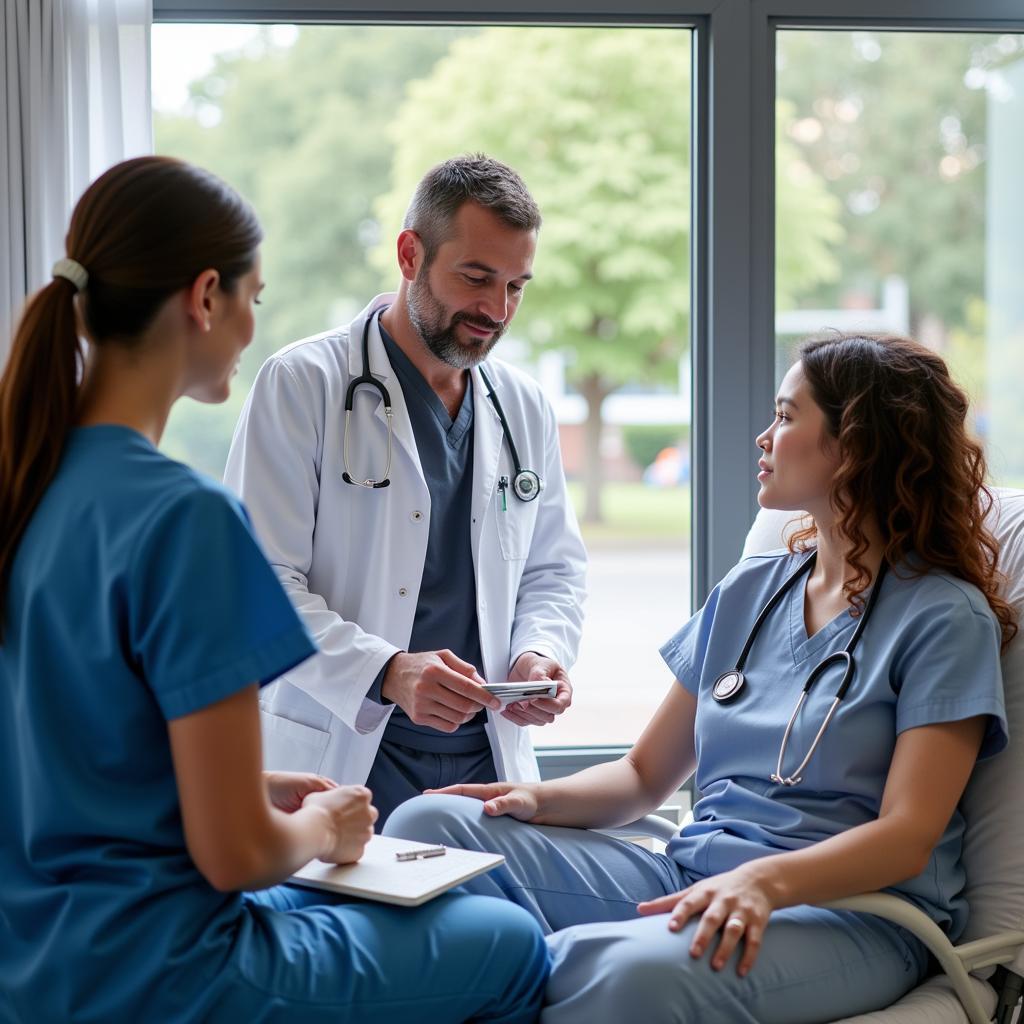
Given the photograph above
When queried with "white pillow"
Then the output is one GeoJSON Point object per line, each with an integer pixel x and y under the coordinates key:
{"type": "Point", "coordinates": [994, 843]}
{"type": "Point", "coordinates": [770, 530]}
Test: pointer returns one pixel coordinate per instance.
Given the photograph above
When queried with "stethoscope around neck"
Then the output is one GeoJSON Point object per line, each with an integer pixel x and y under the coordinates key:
{"type": "Point", "coordinates": [526, 484]}
{"type": "Point", "coordinates": [730, 684]}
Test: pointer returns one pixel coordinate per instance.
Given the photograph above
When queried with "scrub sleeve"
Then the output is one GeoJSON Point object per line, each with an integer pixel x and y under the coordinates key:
{"type": "Point", "coordinates": [209, 617]}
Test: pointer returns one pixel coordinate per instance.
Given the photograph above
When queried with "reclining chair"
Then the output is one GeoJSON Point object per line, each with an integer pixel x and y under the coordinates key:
{"type": "Point", "coordinates": [980, 979]}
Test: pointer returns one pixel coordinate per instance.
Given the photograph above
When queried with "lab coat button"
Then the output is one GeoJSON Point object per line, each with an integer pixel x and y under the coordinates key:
{"type": "Point", "coordinates": [402, 592]}
{"type": "Point", "coordinates": [416, 516]}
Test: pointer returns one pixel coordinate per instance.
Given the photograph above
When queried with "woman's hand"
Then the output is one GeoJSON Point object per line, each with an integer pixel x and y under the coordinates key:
{"type": "Point", "coordinates": [735, 903]}
{"type": "Point", "coordinates": [520, 800]}
{"type": "Point", "coordinates": [350, 817]}
{"type": "Point", "coordinates": [287, 790]}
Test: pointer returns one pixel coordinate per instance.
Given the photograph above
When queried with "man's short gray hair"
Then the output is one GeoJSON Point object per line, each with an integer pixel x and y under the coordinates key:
{"type": "Point", "coordinates": [475, 177]}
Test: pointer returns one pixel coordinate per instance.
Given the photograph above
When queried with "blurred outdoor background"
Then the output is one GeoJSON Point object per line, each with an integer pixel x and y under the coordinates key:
{"type": "Point", "coordinates": [894, 152]}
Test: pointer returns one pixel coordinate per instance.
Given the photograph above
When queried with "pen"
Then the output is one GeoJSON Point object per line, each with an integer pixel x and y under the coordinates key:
{"type": "Point", "coordinates": [428, 851]}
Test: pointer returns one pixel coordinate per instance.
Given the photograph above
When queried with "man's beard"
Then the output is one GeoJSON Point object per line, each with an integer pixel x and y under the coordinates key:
{"type": "Point", "coordinates": [437, 329]}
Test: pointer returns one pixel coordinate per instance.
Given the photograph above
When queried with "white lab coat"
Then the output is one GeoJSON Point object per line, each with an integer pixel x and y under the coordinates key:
{"type": "Point", "coordinates": [352, 558]}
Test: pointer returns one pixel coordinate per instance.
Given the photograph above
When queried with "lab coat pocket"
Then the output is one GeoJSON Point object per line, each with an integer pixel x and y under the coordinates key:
{"type": "Point", "coordinates": [515, 528]}
{"type": "Point", "coordinates": [290, 746]}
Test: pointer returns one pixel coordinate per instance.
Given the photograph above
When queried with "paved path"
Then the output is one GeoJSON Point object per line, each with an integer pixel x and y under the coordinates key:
{"type": "Point", "coordinates": [638, 598]}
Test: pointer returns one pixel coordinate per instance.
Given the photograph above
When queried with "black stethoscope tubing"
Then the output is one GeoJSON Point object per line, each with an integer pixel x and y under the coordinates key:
{"type": "Point", "coordinates": [730, 684]}
{"type": "Point", "coordinates": [367, 379]}
{"type": "Point", "coordinates": [526, 484]}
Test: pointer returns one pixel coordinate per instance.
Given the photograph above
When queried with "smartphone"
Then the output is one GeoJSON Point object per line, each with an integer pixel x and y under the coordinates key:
{"type": "Point", "coordinates": [509, 693]}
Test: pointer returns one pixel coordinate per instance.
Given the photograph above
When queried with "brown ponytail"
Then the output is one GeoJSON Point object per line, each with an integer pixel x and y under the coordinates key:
{"type": "Point", "coordinates": [37, 409]}
{"type": "Point", "coordinates": [143, 231]}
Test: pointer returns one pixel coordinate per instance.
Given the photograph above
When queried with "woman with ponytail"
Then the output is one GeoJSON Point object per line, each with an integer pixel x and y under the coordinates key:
{"type": "Point", "coordinates": [139, 619]}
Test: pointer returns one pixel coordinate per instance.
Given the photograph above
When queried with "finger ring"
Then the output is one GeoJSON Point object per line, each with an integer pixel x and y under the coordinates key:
{"type": "Point", "coordinates": [736, 922]}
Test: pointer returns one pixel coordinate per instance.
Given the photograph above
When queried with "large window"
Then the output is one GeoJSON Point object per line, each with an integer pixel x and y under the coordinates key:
{"type": "Point", "coordinates": [902, 154]}
{"type": "Point", "coordinates": [853, 165]}
{"type": "Point", "coordinates": [327, 128]}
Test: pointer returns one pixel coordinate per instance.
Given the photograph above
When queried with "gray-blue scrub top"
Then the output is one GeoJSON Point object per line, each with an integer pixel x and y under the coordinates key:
{"type": "Point", "coordinates": [928, 654]}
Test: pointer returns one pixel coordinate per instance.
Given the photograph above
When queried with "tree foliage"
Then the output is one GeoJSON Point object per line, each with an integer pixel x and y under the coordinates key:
{"type": "Point", "coordinates": [597, 120]}
{"type": "Point", "coordinates": [896, 124]}
{"type": "Point", "coordinates": [302, 132]}
{"type": "Point", "coordinates": [598, 123]}
{"type": "Point", "coordinates": [899, 125]}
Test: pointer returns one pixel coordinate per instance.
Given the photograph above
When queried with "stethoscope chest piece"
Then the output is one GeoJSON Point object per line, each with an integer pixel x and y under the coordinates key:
{"type": "Point", "coordinates": [527, 485]}
{"type": "Point", "coordinates": [728, 686]}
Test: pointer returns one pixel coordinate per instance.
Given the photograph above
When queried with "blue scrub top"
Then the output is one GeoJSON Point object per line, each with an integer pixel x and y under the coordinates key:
{"type": "Point", "coordinates": [446, 609]}
{"type": "Point", "coordinates": [928, 654]}
{"type": "Point", "coordinates": [138, 595]}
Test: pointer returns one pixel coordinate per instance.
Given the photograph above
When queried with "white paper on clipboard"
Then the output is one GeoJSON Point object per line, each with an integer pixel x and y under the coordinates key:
{"type": "Point", "coordinates": [377, 875]}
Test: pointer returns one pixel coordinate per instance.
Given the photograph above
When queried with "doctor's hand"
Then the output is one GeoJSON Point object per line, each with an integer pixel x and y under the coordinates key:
{"type": "Point", "coordinates": [349, 817]}
{"type": "Point", "coordinates": [287, 790]}
{"type": "Point", "coordinates": [436, 688]}
{"type": "Point", "coordinates": [735, 904]}
{"type": "Point", "coordinates": [520, 800]}
{"type": "Point", "coordinates": [530, 666]}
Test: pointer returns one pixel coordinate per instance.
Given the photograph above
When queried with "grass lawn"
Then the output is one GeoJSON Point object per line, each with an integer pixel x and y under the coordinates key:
{"type": "Point", "coordinates": [637, 513]}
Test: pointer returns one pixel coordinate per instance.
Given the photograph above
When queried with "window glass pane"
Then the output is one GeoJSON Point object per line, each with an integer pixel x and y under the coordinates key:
{"type": "Point", "coordinates": [327, 128]}
{"type": "Point", "coordinates": [902, 152]}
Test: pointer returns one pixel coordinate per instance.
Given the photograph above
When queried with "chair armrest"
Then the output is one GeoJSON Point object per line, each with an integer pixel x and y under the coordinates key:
{"type": "Point", "coordinates": [955, 961]}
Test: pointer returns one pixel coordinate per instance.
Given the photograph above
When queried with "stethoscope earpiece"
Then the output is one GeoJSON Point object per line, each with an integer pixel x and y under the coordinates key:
{"type": "Point", "coordinates": [371, 483]}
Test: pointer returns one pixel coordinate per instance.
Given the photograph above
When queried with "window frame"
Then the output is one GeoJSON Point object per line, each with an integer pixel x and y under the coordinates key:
{"type": "Point", "coordinates": [732, 204]}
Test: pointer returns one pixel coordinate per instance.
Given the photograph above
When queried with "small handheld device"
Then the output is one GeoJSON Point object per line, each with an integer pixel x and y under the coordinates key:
{"type": "Point", "coordinates": [509, 693]}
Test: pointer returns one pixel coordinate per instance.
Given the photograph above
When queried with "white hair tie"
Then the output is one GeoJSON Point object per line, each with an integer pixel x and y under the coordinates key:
{"type": "Point", "coordinates": [73, 271]}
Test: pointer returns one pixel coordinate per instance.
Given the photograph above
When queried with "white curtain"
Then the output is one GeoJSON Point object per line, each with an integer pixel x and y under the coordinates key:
{"type": "Point", "coordinates": [74, 99]}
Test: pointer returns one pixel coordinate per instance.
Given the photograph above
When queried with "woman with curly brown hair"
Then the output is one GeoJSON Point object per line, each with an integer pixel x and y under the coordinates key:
{"type": "Point", "coordinates": [832, 699]}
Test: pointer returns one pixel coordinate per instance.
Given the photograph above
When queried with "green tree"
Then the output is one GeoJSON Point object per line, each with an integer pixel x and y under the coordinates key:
{"type": "Point", "coordinates": [307, 133]}
{"type": "Point", "coordinates": [898, 125]}
{"type": "Point", "coordinates": [598, 123]}
{"type": "Point", "coordinates": [895, 123]}
{"type": "Point", "coordinates": [302, 132]}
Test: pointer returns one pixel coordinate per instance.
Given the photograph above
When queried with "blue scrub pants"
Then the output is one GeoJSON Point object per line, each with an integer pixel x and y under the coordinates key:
{"type": "Point", "coordinates": [611, 966]}
{"type": "Point", "coordinates": [304, 955]}
{"type": "Point", "coordinates": [399, 773]}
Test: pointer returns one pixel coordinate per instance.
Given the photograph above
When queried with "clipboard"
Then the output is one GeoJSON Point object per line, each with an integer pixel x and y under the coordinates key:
{"type": "Point", "coordinates": [377, 875]}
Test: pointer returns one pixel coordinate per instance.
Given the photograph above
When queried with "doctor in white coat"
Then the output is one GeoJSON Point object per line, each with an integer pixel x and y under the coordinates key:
{"type": "Point", "coordinates": [419, 590]}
